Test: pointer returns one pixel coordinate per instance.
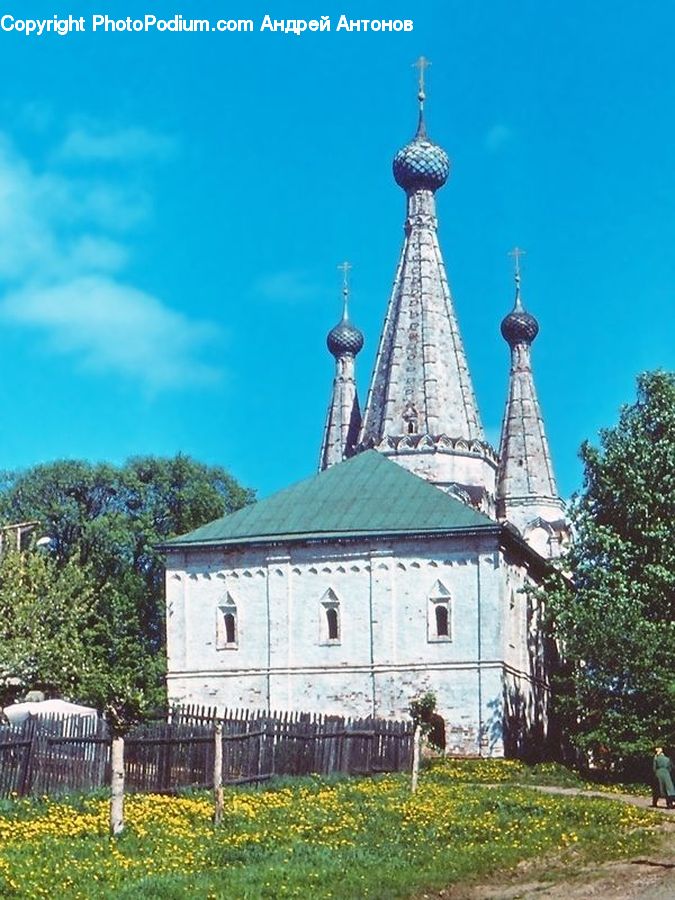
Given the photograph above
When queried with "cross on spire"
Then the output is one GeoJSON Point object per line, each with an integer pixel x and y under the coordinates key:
{"type": "Point", "coordinates": [345, 268]}
{"type": "Point", "coordinates": [421, 65]}
{"type": "Point", "coordinates": [516, 253]}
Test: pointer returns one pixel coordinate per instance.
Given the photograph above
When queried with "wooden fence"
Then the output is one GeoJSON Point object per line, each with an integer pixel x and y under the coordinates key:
{"type": "Point", "coordinates": [49, 756]}
{"type": "Point", "coordinates": [52, 755]}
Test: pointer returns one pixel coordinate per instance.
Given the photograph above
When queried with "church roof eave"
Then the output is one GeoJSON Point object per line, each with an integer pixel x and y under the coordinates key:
{"type": "Point", "coordinates": [493, 528]}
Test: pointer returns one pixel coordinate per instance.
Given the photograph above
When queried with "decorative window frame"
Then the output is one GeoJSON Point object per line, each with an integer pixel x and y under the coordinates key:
{"type": "Point", "coordinates": [226, 607]}
{"type": "Point", "coordinates": [438, 599]}
{"type": "Point", "coordinates": [329, 603]}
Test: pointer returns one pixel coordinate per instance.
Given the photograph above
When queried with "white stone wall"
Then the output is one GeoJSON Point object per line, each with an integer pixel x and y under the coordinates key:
{"type": "Point", "coordinates": [283, 657]}
{"type": "Point", "coordinates": [444, 469]}
{"type": "Point", "coordinates": [526, 673]}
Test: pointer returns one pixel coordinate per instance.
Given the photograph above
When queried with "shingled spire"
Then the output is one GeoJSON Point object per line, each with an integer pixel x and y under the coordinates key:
{"type": "Point", "coordinates": [527, 495]}
{"type": "Point", "coordinates": [421, 407]}
{"type": "Point", "coordinates": [344, 415]}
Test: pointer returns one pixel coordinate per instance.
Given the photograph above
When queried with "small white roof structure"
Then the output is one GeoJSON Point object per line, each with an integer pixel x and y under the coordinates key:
{"type": "Point", "coordinates": [19, 712]}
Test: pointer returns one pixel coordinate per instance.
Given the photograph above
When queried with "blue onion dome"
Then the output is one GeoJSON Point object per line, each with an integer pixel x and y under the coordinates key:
{"type": "Point", "coordinates": [421, 164]}
{"type": "Point", "coordinates": [344, 338]}
{"type": "Point", "coordinates": [519, 327]}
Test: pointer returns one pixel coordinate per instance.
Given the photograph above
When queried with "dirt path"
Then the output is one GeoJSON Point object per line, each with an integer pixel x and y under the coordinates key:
{"type": "Point", "coordinates": [641, 800]}
{"type": "Point", "coordinates": [644, 878]}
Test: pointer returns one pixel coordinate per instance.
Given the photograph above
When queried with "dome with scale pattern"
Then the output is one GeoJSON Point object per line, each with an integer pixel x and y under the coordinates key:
{"type": "Point", "coordinates": [421, 165]}
{"type": "Point", "coordinates": [344, 338]}
{"type": "Point", "coordinates": [519, 327]}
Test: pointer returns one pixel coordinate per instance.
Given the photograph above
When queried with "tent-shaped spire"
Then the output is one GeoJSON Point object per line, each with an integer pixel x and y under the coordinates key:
{"type": "Point", "coordinates": [343, 419]}
{"type": "Point", "coordinates": [527, 495]}
{"type": "Point", "coordinates": [421, 406]}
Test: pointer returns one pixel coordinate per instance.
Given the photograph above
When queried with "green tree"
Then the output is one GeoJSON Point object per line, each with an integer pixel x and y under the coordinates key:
{"type": "Point", "coordinates": [109, 520]}
{"type": "Point", "coordinates": [48, 625]}
{"type": "Point", "coordinates": [616, 625]}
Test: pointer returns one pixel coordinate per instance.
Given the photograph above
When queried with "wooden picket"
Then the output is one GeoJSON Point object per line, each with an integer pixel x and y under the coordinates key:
{"type": "Point", "coordinates": [52, 755]}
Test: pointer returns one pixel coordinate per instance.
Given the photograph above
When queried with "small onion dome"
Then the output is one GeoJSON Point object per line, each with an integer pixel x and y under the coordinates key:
{"type": "Point", "coordinates": [421, 165]}
{"type": "Point", "coordinates": [344, 338]}
{"type": "Point", "coordinates": [519, 327]}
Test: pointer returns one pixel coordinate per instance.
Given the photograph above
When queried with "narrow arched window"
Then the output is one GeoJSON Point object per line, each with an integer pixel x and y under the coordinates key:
{"type": "Point", "coordinates": [332, 624]}
{"type": "Point", "coordinates": [442, 624]}
{"type": "Point", "coordinates": [227, 630]}
{"type": "Point", "coordinates": [329, 618]}
{"type": "Point", "coordinates": [230, 629]}
{"type": "Point", "coordinates": [439, 610]}
{"type": "Point", "coordinates": [512, 624]}
{"type": "Point", "coordinates": [410, 418]}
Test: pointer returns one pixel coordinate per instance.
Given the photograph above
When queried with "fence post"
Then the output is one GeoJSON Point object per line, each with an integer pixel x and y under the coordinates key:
{"type": "Point", "coordinates": [417, 739]}
{"type": "Point", "coordinates": [30, 729]}
{"type": "Point", "coordinates": [218, 775]}
{"type": "Point", "coordinates": [117, 786]}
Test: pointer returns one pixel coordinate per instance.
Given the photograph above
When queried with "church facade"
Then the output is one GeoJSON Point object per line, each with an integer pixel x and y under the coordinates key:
{"type": "Point", "coordinates": [406, 565]}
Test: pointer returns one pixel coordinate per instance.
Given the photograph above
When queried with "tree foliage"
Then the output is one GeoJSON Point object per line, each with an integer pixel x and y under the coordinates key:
{"type": "Point", "coordinates": [616, 626]}
{"type": "Point", "coordinates": [47, 624]}
{"type": "Point", "coordinates": [106, 521]}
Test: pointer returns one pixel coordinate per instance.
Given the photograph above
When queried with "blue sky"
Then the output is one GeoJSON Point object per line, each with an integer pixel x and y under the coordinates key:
{"type": "Point", "coordinates": [173, 209]}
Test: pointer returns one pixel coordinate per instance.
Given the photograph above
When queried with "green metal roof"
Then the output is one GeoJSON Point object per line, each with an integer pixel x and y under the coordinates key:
{"type": "Point", "coordinates": [367, 494]}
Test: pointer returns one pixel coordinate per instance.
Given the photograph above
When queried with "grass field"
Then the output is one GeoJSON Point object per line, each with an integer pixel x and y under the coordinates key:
{"type": "Point", "coordinates": [310, 838]}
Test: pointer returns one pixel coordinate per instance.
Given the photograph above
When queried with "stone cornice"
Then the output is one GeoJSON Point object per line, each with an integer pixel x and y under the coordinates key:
{"type": "Point", "coordinates": [431, 443]}
{"type": "Point", "coordinates": [333, 537]}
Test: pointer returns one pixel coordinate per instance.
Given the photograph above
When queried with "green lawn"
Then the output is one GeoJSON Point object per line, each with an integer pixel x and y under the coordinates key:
{"type": "Point", "coordinates": [310, 838]}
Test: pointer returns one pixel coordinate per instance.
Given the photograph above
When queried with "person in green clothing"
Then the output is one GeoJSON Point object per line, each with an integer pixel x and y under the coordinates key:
{"type": "Point", "coordinates": [663, 768]}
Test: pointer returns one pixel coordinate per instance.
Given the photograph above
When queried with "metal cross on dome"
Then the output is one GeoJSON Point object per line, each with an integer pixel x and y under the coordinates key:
{"type": "Point", "coordinates": [345, 268]}
{"type": "Point", "coordinates": [422, 65]}
{"type": "Point", "coordinates": [516, 253]}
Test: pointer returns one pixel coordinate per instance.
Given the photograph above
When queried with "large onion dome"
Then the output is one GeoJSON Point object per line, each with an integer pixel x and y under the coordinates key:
{"type": "Point", "coordinates": [421, 165]}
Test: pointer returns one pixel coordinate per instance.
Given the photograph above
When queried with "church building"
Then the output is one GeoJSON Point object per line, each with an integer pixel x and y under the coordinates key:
{"type": "Point", "coordinates": [404, 565]}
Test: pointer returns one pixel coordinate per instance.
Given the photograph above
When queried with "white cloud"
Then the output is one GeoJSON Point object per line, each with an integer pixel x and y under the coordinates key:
{"type": "Point", "coordinates": [35, 115]}
{"type": "Point", "coordinates": [498, 137]}
{"type": "Point", "coordinates": [92, 253]}
{"type": "Point", "coordinates": [64, 246]}
{"type": "Point", "coordinates": [113, 206]}
{"type": "Point", "coordinates": [112, 327]}
{"type": "Point", "coordinates": [90, 142]}
{"type": "Point", "coordinates": [292, 286]}
{"type": "Point", "coordinates": [47, 220]}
